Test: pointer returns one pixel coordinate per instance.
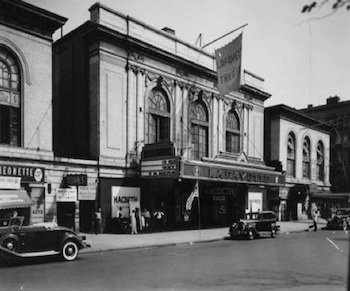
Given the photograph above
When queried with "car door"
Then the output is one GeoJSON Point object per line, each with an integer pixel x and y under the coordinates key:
{"type": "Point", "coordinates": [38, 239]}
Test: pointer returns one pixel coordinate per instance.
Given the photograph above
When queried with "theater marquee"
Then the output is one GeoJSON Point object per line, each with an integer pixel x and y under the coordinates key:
{"type": "Point", "coordinates": [232, 174]}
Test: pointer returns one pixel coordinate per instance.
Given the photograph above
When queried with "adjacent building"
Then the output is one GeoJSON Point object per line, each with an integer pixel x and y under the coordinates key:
{"type": "Point", "coordinates": [300, 145]}
{"type": "Point", "coordinates": [26, 149]}
{"type": "Point", "coordinates": [143, 106]}
{"type": "Point", "coordinates": [336, 114]}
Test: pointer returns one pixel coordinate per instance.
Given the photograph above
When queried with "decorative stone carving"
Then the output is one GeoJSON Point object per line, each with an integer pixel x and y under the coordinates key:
{"type": "Point", "coordinates": [136, 57]}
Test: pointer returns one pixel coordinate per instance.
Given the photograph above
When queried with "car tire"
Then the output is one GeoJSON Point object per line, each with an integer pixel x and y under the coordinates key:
{"type": "Point", "coordinates": [345, 225]}
{"type": "Point", "coordinates": [273, 233]}
{"type": "Point", "coordinates": [69, 250]}
{"type": "Point", "coordinates": [10, 244]}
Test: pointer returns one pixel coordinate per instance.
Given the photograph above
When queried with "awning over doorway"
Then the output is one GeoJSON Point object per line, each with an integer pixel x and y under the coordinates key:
{"type": "Point", "coordinates": [329, 195]}
{"type": "Point", "coordinates": [14, 199]}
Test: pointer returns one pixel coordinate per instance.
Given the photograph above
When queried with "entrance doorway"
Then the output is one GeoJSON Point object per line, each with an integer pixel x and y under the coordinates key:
{"type": "Point", "coordinates": [66, 214]}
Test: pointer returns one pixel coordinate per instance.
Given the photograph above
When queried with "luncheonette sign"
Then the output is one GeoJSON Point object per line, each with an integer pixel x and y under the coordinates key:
{"type": "Point", "coordinates": [27, 174]}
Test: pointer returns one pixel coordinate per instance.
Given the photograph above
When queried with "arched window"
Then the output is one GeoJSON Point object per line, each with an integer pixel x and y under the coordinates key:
{"type": "Point", "coordinates": [199, 130]}
{"type": "Point", "coordinates": [320, 162]}
{"type": "Point", "coordinates": [291, 155]}
{"type": "Point", "coordinates": [158, 117]}
{"type": "Point", "coordinates": [233, 134]}
{"type": "Point", "coordinates": [10, 95]}
{"type": "Point", "coordinates": [306, 158]}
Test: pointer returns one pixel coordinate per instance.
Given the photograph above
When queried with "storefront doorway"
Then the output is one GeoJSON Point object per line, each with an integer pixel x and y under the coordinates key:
{"type": "Point", "coordinates": [66, 214]}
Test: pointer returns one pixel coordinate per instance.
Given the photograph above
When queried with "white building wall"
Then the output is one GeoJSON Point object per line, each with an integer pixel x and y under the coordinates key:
{"type": "Point", "coordinates": [301, 132]}
{"type": "Point", "coordinates": [35, 59]}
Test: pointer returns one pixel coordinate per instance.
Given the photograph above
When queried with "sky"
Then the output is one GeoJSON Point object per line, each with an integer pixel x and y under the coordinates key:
{"type": "Point", "coordinates": [303, 58]}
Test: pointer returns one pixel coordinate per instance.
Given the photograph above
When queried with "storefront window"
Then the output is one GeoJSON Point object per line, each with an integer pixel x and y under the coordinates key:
{"type": "Point", "coordinates": [10, 110]}
{"type": "Point", "coordinates": [158, 117]}
{"type": "Point", "coordinates": [291, 155]}
{"type": "Point", "coordinates": [306, 158]}
{"type": "Point", "coordinates": [232, 133]}
{"type": "Point", "coordinates": [320, 161]}
{"type": "Point", "coordinates": [199, 130]}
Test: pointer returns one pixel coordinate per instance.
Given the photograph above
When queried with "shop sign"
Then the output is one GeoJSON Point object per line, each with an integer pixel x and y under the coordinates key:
{"type": "Point", "coordinates": [10, 182]}
{"type": "Point", "coordinates": [227, 191]}
{"type": "Point", "coordinates": [66, 195]}
{"type": "Point", "coordinates": [163, 168]}
{"type": "Point", "coordinates": [283, 193]}
{"type": "Point", "coordinates": [219, 198]}
{"type": "Point", "coordinates": [76, 180]}
{"type": "Point", "coordinates": [27, 174]}
{"type": "Point", "coordinates": [87, 192]}
{"type": "Point", "coordinates": [123, 198]}
{"type": "Point", "coordinates": [37, 209]}
{"type": "Point", "coordinates": [254, 201]}
{"type": "Point", "coordinates": [231, 175]}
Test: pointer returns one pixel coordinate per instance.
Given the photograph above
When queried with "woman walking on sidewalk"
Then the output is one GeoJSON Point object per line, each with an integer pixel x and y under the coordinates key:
{"type": "Point", "coordinates": [133, 222]}
{"type": "Point", "coordinates": [315, 216]}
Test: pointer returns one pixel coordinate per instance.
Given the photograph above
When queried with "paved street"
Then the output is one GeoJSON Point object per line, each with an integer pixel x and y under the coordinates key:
{"type": "Point", "coordinates": [292, 261]}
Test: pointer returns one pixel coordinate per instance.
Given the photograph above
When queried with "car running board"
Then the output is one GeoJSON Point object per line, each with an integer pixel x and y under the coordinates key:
{"type": "Point", "coordinates": [29, 255]}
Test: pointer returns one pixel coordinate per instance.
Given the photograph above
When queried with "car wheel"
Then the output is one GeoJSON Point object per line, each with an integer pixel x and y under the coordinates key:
{"type": "Point", "coordinates": [345, 225]}
{"type": "Point", "coordinates": [10, 244]}
{"type": "Point", "coordinates": [250, 235]}
{"type": "Point", "coordinates": [69, 251]}
{"type": "Point", "coordinates": [273, 233]}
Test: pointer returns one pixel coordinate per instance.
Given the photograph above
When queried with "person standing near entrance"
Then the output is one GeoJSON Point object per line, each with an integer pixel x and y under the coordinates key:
{"type": "Point", "coordinates": [98, 221]}
{"type": "Point", "coordinates": [133, 222]}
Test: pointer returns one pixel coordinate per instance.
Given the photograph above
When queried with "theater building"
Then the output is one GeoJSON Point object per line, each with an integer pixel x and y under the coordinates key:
{"type": "Point", "coordinates": [145, 106]}
{"type": "Point", "coordinates": [300, 144]}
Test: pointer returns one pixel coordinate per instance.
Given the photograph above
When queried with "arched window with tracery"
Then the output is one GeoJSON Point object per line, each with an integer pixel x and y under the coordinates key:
{"type": "Point", "coordinates": [10, 96]}
{"type": "Point", "coordinates": [306, 158]}
{"type": "Point", "coordinates": [291, 155]}
{"type": "Point", "coordinates": [320, 161]}
{"type": "Point", "coordinates": [158, 117]}
{"type": "Point", "coordinates": [233, 134]}
{"type": "Point", "coordinates": [199, 130]}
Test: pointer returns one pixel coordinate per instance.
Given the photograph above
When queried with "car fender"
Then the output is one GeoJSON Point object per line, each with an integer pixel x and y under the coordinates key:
{"type": "Point", "coordinates": [9, 235]}
{"type": "Point", "coordinates": [72, 237]}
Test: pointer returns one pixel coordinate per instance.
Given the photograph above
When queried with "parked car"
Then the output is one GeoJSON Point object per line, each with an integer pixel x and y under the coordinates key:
{"type": "Point", "coordinates": [257, 224]}
{"type": "Point", "coordinates": [42, 239]}
{"type": "Point", "coordinates": [340, 219]}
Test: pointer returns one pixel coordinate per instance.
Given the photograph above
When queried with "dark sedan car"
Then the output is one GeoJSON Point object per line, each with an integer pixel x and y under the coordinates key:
{"type": "Point", "coordinates": [340, 220]}
{"type": "Point", "coordinates": [42, 239]}
{"type": "Point", "coordinates": [256, 225]}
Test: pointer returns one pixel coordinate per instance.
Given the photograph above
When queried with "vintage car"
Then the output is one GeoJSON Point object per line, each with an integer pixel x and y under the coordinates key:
{"type": "Point", "coordinates": [340, 219]}
{"type": "Point", "coordinates": [257, 224]}
{"type": "Point", "coordinates": [42, 239]}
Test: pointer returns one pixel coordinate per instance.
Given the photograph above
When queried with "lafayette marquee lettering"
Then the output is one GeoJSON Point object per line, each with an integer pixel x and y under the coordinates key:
{"type": "Point", "coordinates": [225, 174]}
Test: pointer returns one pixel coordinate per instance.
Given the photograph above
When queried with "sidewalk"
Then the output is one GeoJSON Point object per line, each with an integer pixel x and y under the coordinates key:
{"type": "Point", "coordinates": [109, 242]}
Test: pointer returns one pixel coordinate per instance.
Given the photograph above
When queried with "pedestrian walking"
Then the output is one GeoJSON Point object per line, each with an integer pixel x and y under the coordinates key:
{"type": "Point", "coordinates": [315, 216]}
{"type": "Point", "coordinates": [159, 216]}
{"type": "Point", "coordinates": [133, 222]}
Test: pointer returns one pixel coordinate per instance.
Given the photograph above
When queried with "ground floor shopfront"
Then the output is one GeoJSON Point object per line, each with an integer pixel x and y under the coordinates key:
{"type": "Point", "coordinates": [226, 192]}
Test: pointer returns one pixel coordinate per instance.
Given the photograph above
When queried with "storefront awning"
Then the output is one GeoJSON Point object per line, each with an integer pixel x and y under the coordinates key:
{"type": "Point", "coordinates": [14, 199]}
{"type": "Point", "coordinates": [329, 195]}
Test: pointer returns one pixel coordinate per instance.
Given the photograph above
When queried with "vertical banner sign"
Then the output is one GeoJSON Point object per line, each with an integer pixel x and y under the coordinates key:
{"type": "Point", "coordinates": [228, 64]}
{"type": "Point", "coordinates": [194, 193]}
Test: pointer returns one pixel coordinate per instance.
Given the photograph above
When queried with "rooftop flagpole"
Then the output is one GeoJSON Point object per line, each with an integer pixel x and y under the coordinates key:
{"type": "Point", "coordinates": [224, 35]}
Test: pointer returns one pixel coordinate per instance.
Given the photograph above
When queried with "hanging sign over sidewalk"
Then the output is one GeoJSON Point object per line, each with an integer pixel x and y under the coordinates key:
{"type": "Point", "coordinates": [228, 64]}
